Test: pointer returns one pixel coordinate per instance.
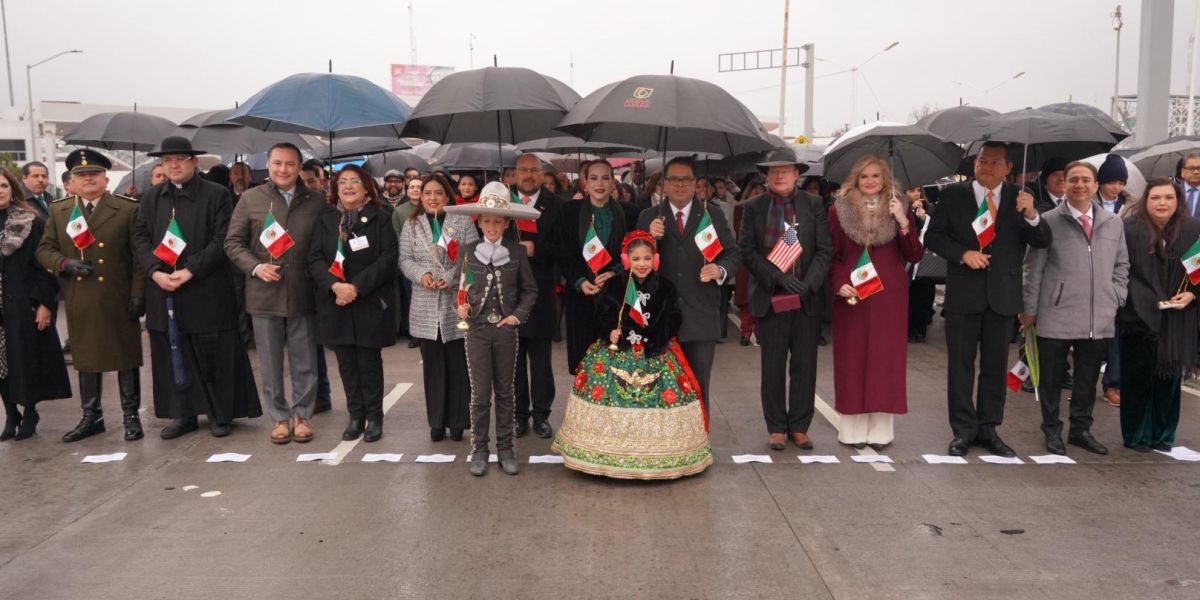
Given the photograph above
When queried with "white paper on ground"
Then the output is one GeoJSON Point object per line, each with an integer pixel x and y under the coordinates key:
{"type": "Point", "coordinates": [808, 459]}
{"type": "Point", "coordinates": [435, 458]}
{"type": "Point", "coordinates": [103, 458]}
{"type": "Point", "coordinates": [751, 458]}
{"type": "Point", "coordinates": [188, 488]}
{"type": "Point", "coordinates": [546, 459]}
{"type": "Point", "coordinates": [212, 494]}
{"type": "Point", "coordinates": [1182, 453]}
{"type": "Point", "coordinates": [939, 459]}
{"type": "Point", "coordinates": [316, 456]}
{"type": "Point", "coordinates": [871, 458]}
{"type": "Point", "coordinates": [385, 457]}
{"type": "Point", "coordinates": [1053, 459]}
{"type": "Point", "coordinates": [491, 458]}
{"type": "Point", "coordinates": [1001, 460]}
{"type": "Point", "coordinates": [228, 457]}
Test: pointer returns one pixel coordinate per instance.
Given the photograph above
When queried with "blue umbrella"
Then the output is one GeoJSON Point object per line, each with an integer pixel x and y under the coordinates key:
{"type": "Point", "coordinates": [324, 104]}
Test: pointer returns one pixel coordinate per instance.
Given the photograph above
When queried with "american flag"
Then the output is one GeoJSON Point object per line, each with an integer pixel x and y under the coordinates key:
{"type": "Point", "coordinates": [786, 250]}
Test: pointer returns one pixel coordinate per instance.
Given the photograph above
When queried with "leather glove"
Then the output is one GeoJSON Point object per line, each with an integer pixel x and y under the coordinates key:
{"type": "Point", "coordinates": [137, 308]}
{"type": "Point", "coordinates": [78, 268]}
{"type": "Point", "coordinates": [793, 285]}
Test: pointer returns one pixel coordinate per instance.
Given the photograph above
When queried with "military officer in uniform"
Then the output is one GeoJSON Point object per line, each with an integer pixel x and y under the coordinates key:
{"type": "Point", "coordinates": [88, 243]}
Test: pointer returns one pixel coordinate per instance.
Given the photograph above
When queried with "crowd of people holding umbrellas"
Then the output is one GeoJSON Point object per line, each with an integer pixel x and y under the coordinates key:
{"type": "Point", "coordinates": [476, 251]}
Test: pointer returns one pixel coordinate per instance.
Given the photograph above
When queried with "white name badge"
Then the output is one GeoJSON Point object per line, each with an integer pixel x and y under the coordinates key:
{"type": "Point", "coordinates": [359, 243]}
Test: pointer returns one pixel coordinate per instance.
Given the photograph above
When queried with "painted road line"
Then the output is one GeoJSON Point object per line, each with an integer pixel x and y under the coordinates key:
{"type": "Point", "coordinates": [1191, 390]}
{"type": "Point", "coordinates": [345, 448]}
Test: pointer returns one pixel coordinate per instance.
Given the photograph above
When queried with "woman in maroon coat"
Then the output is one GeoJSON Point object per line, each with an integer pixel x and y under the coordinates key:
{"type": "Point", "coordinates": [869, 333]}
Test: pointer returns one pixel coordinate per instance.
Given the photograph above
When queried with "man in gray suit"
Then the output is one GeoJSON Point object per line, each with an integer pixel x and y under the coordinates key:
{"type": "Point", "coordinates": [675, 224]}
{"type": "Point", "coordinates": [279, 293]}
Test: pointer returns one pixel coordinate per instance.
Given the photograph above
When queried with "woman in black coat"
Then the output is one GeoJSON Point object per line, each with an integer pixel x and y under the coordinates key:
{"type": "Point", "coordinates": [354, 294]}
{"type": "Point", "coordinates": [611, 223]}
{"type": "Point", "coordinates": [32, 368]}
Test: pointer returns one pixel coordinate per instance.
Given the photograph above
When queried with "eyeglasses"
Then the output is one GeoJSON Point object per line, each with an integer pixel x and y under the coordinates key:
{"type": "Point", "coordinates": [171, 160]}
{"type": "Point", "coordinates": [1193, 169]}
{"type": "Point", "coordinates": [529, 170]}
{"type": "Point", "coordinates": [349, 181]}
{"type": "Point", "coordinates": [680, 180]}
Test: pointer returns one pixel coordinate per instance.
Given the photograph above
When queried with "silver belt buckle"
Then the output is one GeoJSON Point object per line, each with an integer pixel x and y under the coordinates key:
{"type": "Point", "coordinates": [493, 318]}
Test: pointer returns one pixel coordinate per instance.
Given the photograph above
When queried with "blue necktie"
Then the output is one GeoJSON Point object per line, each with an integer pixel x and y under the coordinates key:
{"type": "Point", "coordinates": [287, 197]}
{"type": "Point", "coordinates": [1192, 201]}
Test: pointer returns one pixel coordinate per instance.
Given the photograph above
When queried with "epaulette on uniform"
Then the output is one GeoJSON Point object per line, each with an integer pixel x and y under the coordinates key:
{"type": "Point", "coordinates": [129, 198]}
{"type": "Point", "coordinates": [64, 198]}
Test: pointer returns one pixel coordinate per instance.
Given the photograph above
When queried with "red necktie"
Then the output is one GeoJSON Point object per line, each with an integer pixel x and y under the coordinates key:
{"type": "Point", "coordinates": [1087, 226]}
{"type": "Point", "coordinates": [679, 221]}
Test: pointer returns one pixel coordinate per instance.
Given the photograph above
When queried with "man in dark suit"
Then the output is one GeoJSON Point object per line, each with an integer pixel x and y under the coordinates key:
{"type": "Point", "coordinates": [774, 294]}
{"type": "Point", "coordinates": [675, 224]}
{"type": "Point", "coordinates": [1052, 188]}
{"type": "Point", "coordinates": [983, 292]}
{"type": "Point", "coordinates": [36, 179]}
{"type": "Point", "coordinates": [535, 377]}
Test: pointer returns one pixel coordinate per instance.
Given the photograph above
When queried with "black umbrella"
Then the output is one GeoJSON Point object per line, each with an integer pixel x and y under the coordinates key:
{"type": "Point", "coordinates": [362, 146]}
{"type": "Point", "coordinates": [474, 157]}
{"type": "Point", "coordinates": [178, 372]}
{"type": "Point", "coordinates": [565, 144]}
{"type": "Point", "coordinates": [917, 157]}
{"type": "Point", "coordinates": [1042, 134]}
{"type": "Point", "coordinates": [1161, 159]}
{"type": "Point", "coordinates": [944, 122]}
{"type": "Point", "coordinates": [1086, 110]}
{"type": "Point", "coordinates": [379, 164]}
{"type": "Point", "coordinates": [665, 113]}
{"type": "Point", "coordinates": [211, 131]}
{"type": "Point", "coordinates": [129, 130]}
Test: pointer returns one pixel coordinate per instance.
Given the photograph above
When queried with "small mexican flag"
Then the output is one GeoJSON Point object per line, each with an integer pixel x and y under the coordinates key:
{"type": "Point", "coordinates": [172, 244]}
{"type": "Point", "coordinates": [984, 226]}
{"type": "Point", "coordinates": [441, 237]}
{"type": "Point", "coordinates": [274, 237]}
{"type": "Point", "coordinates": [465, 281]}
{"type": "Point", "coordinates": [1191, 263]}
{"type": "Point", "coordinates": [864, 278]}
{"type": "Point", "coordinates": [526, 225]}
{"type": "Point", "coordinates": [706, 238]}
{"type": "Point", "coordinates": [635, 304]}
{"type": "Point", "coordinates": [77, 228]}
{"type": "Point", "coordinates": [594, 252]}
{"type": "Point", "coordinates": [1018, 374]}
{"type": "Point", "coordinates": [338, 260]}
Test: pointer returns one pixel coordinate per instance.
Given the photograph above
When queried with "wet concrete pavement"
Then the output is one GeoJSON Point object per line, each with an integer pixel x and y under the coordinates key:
{"type": "Point", "coordinates": [1122, 526]}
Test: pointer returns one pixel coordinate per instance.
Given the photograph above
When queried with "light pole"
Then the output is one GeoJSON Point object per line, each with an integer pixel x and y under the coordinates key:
{"type": "Point", "coordinates": [7, 62]}
{"type": "Point", "coordinates": [987, 91]}
{"type": "Point", "coordinates": [29, 89]}
{"type": "Point", "coordinates": [853, 71]}
{"type": "Point", "coordinates": [1117, 24]}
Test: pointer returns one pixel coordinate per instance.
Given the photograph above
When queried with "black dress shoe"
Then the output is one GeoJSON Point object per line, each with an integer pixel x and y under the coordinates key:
{"type": "Point", "coordinates": [10, 427]}
{"type": "Point", "coordinates": [29, 423]}
{"type": "Point", "coordinates": [438, 434]}
{"type": "Point", "coordinates": [179, 427]}
{"type": "Point", "coordinates": [353, 430]}
{"type": "Point", "coordinates": [522, 427]}
{"type": "Point", "coordinates": [996, 446]}
{"type": "Point", "coordinates": [322, 405]}
{"type": "Point", "coordinates": [1085, 440]}
{"type": "Point", "coordinates": [1159, 447]}
{"type": "Point", "coordinates": [133, 428]}
{"type": "Point", "coordinates": [1141, 448]}
{"type": "Point", "coordinates": [543, 429]}
{"type": "Point", "coordinates": [958, 447]}
{"type": "Point", "coordinates": [878, 447]}
{"type": "Point", "coordinates": [745, 341]}
{"type": "Point", "coordinates": [87, 427]}
{"type": "Point", "coordinates": [373, 432]}
{"type": "Point", "coordinates": [1054, 445]}
{"type": "Point", "coordinates": [219, 430]}
{"type": "Point", "coordinates": [821, 341]}
{"type": "Point", "coordinates": [456, 435]}
{"type": "Point", "coordinates": [860, 445]}
{"type": "Point", "coordinates": [412, 343]}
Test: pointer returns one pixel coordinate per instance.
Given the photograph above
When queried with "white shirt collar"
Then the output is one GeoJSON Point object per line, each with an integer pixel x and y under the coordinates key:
{"type": "Point", "coordinates": [531, 199]}
{"type": "Point", "coordinates": [687, 211]}
{"type": "Point", "coordinates": [1076, 214]}
{"type": "Point", "coordinates": [981, 192]}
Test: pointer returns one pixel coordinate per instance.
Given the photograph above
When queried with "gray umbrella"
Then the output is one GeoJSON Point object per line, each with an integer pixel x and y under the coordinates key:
{"type": "Point", "coordinates": [917, 157]}
{"type": "Point", "coordinates": [565, 144]}
{"type": "Point", "coordinates": [212, 132]}
{"type": "Point", "coordinates": [1042, 134]}
{"type": "Point", "coordinates": [667, 113]}
{"type": "Point", "coordinates": [474, 157]}
{"type": "Point", "coordinates": [944, 122]}
{"type": "Point", "coordinates": [379, 164]}
{"type": "Point", "coordinates": [1086, 110]}
{"type": "Point", "coordinates": [361, 146]}
{"type": "Point", "coordinates": [1160, 160]}
{"type": "Point", "coordinates": [129, 130]}
{"type": "Point", "coordinates": [495, 104]}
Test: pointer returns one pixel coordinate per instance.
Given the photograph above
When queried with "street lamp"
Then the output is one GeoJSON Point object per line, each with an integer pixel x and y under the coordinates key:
{"type": "Point", "coordinates": [853, 71]}
{"type": "Point", "coordinates": [1117, 24]}
{"type": "Point", "coordinates": [29, 88]}
{"type": "Point", "coordinates": [987, 91]}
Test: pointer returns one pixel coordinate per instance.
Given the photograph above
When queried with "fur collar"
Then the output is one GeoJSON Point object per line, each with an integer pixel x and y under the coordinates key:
{"type": "Point", "coordinates": [866, 227]}
{"type": "Point", "coordinates": [16, 230]}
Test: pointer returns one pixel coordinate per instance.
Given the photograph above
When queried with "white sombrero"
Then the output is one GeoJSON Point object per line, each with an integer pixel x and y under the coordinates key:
{"type": "Point", "coordinates": [495, 199]}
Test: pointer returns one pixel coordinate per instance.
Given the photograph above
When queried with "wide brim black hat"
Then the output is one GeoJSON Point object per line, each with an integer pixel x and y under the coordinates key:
{"type": "Point", "coordinates": [782, 157]}
{"type": "Point", "coordinates": [176, 145]}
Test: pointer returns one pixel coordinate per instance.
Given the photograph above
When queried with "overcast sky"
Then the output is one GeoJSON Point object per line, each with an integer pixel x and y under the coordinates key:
{"type": "Point", "coordinates": [210, 54]}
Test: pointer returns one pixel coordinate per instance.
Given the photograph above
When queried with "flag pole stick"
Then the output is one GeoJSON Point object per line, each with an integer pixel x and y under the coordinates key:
{"type": "Point", "coordinates": [621, 311]}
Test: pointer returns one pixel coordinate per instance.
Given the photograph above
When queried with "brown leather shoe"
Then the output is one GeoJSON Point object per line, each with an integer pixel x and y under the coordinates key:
{"type": "Point", "coordinates": [301, 432]}
{"type": "Point", "coordinates": [1113, 397]}
{"type": "Point", "coordinates": [777, 441]}
{"type": "Point", "coordinates": [801, 440]}
{"type": "Point", "coordinates": [281, 433]}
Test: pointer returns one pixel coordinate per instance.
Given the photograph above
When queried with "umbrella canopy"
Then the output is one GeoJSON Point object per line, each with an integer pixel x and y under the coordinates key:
{"type": "Point", "coordinates": [126, 130]}
{"type": "Point", "coordinates": [917, 156]}
{"type": "Point", "coordinates": [494, 104]}
{"type": "Point", "coordinates": [1086, 110]}
{"type": "Point", "coordinates": [944, 122]}
{"type": "Point", "coordinates": [360, 146]}
{"type": "Point", "coordinates": [565, 144]}
{"type": "Point", "coordinates": [1160, 160]}
{"type": "Point", "coordinates": [1135, 184]}
{"type": "Point", "coordinates": [324, 104]}
{"type": "Point", "coordinates": [665, 113]}
{"type": "Point", "coordinates": [475, 157]}
{"type": "Point", "coordinates": [379, 164]}
{"type": "Point", "coordinates": [212, 132]}
{"type": "Point", "coordinates": [1043, 134]}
